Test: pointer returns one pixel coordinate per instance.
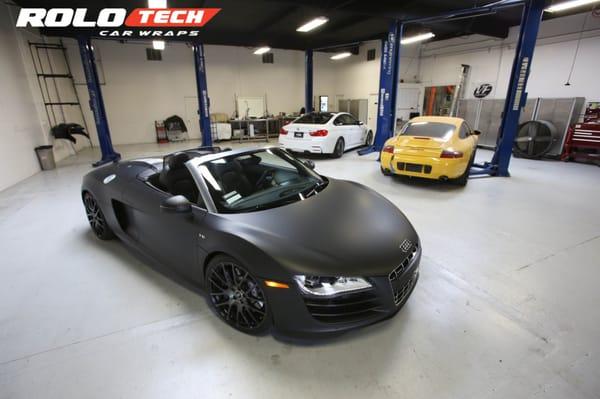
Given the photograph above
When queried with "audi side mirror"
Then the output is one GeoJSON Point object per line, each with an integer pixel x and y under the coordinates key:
{"type": "Point", "coordinates": [176, 204]}
{"type": "Point", "coordinates": [476, 132]}
{"type": "Point", "coordinates": [360, 123]}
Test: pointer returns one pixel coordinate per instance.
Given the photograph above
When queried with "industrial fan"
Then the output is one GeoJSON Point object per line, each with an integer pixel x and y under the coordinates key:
{"type": "Point", "coordinates": [534, 139]}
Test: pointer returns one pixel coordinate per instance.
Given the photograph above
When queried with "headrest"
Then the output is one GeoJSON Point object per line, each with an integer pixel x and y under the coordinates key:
{"type": "Point", "coordinates": [177, 160]}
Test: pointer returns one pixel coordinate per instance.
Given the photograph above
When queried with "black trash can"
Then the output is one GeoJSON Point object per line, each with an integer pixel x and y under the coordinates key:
{"type": "Point", "coordinates": [46, 157]}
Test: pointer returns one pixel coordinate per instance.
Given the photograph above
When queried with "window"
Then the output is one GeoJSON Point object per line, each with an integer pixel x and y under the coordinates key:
{"type": "Point", "coordinates": [464, 131]}
{"type": "Point", "coordinates": [428, 129]}
{"type": "Point", "coordinates": [153, 55]}
{"type": "Point", "coordinates": [268, 58]}
{"type": "Point", "coordinates": [258, 180]}
{"type": "Point", "coordinates": [345, 119]}
{"type": "Point", "coordinates": [371, 54]}
{"type": "Point", "coordinates": [315, 118]}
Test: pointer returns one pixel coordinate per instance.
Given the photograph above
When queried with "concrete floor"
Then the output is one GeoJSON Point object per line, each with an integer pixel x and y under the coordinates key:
{"type": "Point", "coordinates": [507, 305]}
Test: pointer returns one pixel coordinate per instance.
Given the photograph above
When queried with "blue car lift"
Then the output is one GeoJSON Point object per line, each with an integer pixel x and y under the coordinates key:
{"type": "Point", "coordinates": [388, 87]}
{"type": "Point", "coordinates": [516, 94]}
{"type": "Point", "coordinates": [96, 102]}
{"type": "Point", "coordinates": [308, 81]}
{"type": "Point", "coordinates": [203, 100]}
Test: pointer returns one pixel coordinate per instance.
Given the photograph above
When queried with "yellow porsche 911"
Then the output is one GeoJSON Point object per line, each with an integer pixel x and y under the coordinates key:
{"type": "Point", "coordinates": [432, 147]}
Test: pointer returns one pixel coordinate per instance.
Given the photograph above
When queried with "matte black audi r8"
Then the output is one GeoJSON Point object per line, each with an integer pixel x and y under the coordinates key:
{"type": "Point", "coordinates": [271, 242]}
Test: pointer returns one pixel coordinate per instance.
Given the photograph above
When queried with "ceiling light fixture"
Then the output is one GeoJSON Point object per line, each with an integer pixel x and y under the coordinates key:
{"type": "Point", "coordinates": [157, 3]}
{"type": "Point", "coordinates": [262, 50]}
{"type": "Point", "coordinates": [567, 5]}
{"type": "Point", "coordinates": [339, 56]}
{"type": "Point", "coordinates": [417, 38]}
{"type": "Point", "coordinates": [313, 24]}
{"type": "Point", "coordinates": [158, 44]}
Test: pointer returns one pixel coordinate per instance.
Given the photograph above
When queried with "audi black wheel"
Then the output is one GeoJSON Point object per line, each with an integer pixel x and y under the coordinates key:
{"type": "Point", "coordinates": [96, 218]}
{"type": "Point", "coordinates": [237, 297]}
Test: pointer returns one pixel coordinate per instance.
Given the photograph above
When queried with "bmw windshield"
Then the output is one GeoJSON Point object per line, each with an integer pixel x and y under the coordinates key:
{"type": "Point", "coordinates": [258, 180]}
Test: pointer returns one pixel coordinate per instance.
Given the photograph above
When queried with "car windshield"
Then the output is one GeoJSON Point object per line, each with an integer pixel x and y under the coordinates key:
{"type": "Point", "coordinates": [315, 118]}
{"type": "Point", "coordinates": [259, 180]}
{"type": "Point", "coordinates": [428, 129]}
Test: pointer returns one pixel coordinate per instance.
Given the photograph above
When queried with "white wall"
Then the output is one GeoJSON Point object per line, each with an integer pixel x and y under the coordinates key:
{"type": "Point", "coordinates": [491, 60]}
{"type": "Point", "coordinates": [21, 130]}
{"type": "Point", "coordinates": [137, 92]}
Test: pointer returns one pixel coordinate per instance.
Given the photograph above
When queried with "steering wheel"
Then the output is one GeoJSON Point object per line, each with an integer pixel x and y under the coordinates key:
{"type": "Point", "coordinates": [267, 175]}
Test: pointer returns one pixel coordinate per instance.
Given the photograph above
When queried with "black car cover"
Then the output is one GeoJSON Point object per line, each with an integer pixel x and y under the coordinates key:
{"type": "Point", "coordinates": [175, 123]}
{"type": "Point", "coordinates": [67, 130]}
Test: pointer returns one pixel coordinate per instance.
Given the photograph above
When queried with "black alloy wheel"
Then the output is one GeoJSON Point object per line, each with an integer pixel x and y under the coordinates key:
{"type": "Point", "coordinates": [236, 296]}
{"type": "Point", "coordinates": [96, 218]}
{"type": "Point", "coordinates": [338, 151]}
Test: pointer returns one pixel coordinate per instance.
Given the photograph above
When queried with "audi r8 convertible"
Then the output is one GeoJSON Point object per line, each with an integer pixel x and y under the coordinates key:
{"type": "Point", "coordinates": [271, 242]}
{"type": "Point", "coordinates": [432, 147]}
{"type": "Point", "coordinates": [325, 133]}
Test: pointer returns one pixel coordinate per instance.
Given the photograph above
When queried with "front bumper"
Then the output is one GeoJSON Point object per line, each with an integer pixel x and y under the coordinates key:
{"type": "Point", "coordinates": [297, 315]}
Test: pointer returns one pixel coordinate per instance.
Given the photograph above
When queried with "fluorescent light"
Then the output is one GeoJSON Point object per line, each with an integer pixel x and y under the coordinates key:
{"type": "Point", "coordinates": [157, 3]}
{"type": "Point", "coordinates": [158, 44]}
{"type": "Point", "coordinates": [417, 38]}
{"type": "Point", "coordinates": [567, 5]}
{"type": "Point", "coordinates": [313, 24]}
{"type": "Point", "coordinates": [339, 56]}
{"type": "Point", "coordinates": [262, 50]}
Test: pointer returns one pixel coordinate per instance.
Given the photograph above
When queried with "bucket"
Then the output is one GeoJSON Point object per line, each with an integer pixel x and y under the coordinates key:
{"type": "Point", "coordinates": [46, 157]}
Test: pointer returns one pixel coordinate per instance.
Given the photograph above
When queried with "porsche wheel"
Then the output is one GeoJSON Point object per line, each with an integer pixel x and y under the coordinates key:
{"type": "Point", "coordinates": [96, 218]}
{"type": "Point", "coordinates": [237, 297]}
{"type": "Point", "coordinates": [338, 151]}
{"type": "Point", "coordinates": [463, 179]}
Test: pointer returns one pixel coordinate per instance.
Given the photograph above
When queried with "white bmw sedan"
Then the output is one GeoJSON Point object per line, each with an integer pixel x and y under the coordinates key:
{"type": "Point", "coordinates": [325, 133]}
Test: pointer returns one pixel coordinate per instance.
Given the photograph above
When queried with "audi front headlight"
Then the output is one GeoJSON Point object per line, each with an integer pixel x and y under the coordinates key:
{"type": "Point", "coordinates": [329, 286]}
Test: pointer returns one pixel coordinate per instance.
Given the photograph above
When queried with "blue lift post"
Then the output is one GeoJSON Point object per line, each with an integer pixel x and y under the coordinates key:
{"type": "Point", "coordinates": [388, 87]}
{"type": "Point", "coordinates": [203, 100]}
{"type": "Point", "coordinates": [516, 94]}
{"type": "Point", "coordinates": [96, 102]}
{"type": "Point", "coordinates": [308, 89]}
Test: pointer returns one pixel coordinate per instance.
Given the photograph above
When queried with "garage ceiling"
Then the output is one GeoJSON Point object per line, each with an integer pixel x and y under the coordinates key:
{"type": "Point", "coordinates": [274, 22]}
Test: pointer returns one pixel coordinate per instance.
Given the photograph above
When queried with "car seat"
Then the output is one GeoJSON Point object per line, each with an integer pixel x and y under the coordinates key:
{"type": "Point", "coordinates": [176, 177]}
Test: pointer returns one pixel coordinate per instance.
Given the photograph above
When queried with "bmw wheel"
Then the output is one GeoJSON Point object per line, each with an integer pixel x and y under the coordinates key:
{"type": "Point", "coordinates": [369, 140]}
{"type": "Point", "coordinates": [338, 151]}
{"type": "Point", "coordinates": [236, 296]}
{"type": "Point", "coordinates": [96, 218]}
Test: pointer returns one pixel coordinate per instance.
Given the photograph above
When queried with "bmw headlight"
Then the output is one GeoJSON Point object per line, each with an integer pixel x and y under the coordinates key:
{"type": "Point", "coordinates": [329, 286]}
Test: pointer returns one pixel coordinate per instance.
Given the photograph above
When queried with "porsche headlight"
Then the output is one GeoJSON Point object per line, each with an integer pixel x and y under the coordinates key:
{"type": "Point", "coordinates": [328, 286]}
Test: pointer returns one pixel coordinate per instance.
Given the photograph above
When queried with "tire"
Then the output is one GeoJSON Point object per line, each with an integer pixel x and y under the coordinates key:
{"type": "Point", "coordinates": [338, 150]}
{"type": "Point", "coordinates": [369, 140]}
{"type": "Point", "coordinates": [237, 297]}
{"type": "Point", "coordinates": [463, 179]}
{"type": "Point", "coordinates": [96, 218]}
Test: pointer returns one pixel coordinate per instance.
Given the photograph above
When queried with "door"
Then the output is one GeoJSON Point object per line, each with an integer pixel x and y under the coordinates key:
{"type": "Point", "coordinates": [372, 112]}
{"type": "Point", "coordinates": [355, 131]}
{"type": "Point", "coordinates": [341, 130]}
{"type": "Point", "coordinates": [170, 238]}
{"type": "Point", "coordinates": [192, 118]}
